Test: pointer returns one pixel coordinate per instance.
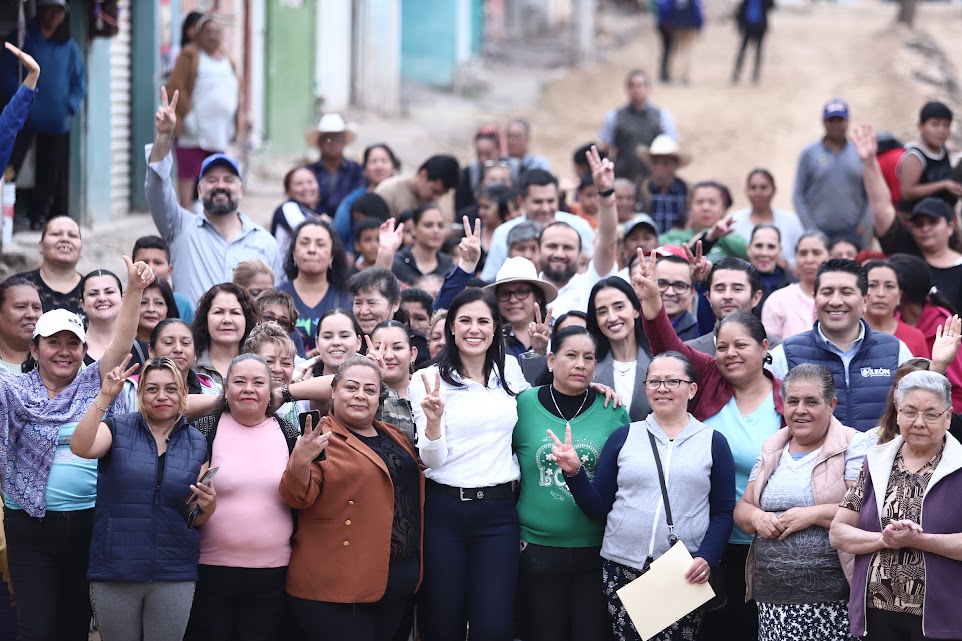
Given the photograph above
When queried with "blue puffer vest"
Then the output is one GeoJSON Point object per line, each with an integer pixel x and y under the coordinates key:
{"type": "Point", "coordinates": [862, 401]}
{"type": "Point", "coordinates": [140, 529]}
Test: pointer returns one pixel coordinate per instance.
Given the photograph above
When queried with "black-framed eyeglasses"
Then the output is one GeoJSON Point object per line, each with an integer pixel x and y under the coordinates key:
{"type": "Point", "coordinates": [669, 383]}
{"type": "Point", "coordinates": [678, 286]}
{"type": "Point", "coordinates": [927, 417]}
{"type": "Point", "coordinates": [522, 293]}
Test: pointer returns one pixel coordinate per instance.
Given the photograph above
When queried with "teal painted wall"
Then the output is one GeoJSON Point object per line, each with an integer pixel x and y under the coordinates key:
{"type": "Point", "coordinates": [96, 151]}
{"type": "Point", "coordinates": [289, 65]}
{"type": "Point", "coordinates": [145, 88]}
{"type": "Point", "coordinates": [477, 26]}
{"type": "Point", "coordinates": [428, 41]}
{"type": "Point", "coordinates": [80, 173]}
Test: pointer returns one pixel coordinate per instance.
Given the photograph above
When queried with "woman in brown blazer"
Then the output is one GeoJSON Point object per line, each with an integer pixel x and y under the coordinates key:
{"type": "Point", "coordinates": [357, 551]}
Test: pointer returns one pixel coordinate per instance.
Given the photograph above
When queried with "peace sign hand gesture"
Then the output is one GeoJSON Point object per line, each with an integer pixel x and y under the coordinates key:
{"type": "Point", "coordinates": [376, 354]}
{"type": "Point", "coordinates": [564, 454]}
{"type": "Point", "coordinates": [312, 442]}
{"type": "Point", "coordinates": [602, 170]}
{"type": "Point", "coordinates": [540, 332]}
{"type": "Point", "coordinates": [165, 120]}
{"type": "Point", "coordinates": [113, 382]}
{"type": "Point", "coordinates": [700, 266]}
{"type": "Point", "coordinates": [431, 404]}
{"type": "Point", "coordinates": [721, 228]}
{"type": "Point", "coordinates": [643, 277]}
{"type": "Point", "coordinates": [470, 246]}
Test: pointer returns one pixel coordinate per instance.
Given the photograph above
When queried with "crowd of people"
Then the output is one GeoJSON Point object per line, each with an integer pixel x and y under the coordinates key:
{"type": "Point", "coordinates": [384, 418]}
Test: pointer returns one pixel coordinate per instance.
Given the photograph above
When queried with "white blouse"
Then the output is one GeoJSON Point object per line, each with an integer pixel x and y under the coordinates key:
{"type": "Point", "coordinates": [474, 448]}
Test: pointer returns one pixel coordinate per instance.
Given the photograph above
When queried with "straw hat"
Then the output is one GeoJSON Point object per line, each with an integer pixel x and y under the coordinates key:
{"type": "Point", "coordinates": [330, 124]}
{"type": "Point", "coordinates": [521, 270]}
{"type": "Point", "coordinates": [664, 145]}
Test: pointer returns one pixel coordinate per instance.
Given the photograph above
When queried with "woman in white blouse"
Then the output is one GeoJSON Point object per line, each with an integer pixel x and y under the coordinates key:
{"type": "Point", "coordinates": [465, 411]}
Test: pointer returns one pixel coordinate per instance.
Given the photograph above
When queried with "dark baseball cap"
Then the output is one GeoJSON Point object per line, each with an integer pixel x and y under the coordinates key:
{"type": "Point", "coordinates": [219, 160]}
{"type": "Point", "coordinates": [934, 207]}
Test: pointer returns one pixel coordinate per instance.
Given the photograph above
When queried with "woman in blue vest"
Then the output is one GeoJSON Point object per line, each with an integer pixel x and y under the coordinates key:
{"type": "Point", "coordinates": [144, 551]}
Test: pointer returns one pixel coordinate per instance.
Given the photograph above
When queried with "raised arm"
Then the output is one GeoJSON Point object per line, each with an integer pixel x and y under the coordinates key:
{"type": "Point", "coordinates": [15, 113]}
{"type": "Point", "coordinates": [606, 240]}
{"type": "Point", "coordinates": [458, 278]}
{"type": "Point", "coordinates": [879, 197]}
{"type": "Point", "coordinates": [31, 65]}
{"type": "Point", "coordinates": [165, 211]}
{"type": "Point", "coordinates": [390, 239]}
{"type": "Point", "coordinates": [92, 438]}
{"type": "Point", "coordinates": [139, 276]}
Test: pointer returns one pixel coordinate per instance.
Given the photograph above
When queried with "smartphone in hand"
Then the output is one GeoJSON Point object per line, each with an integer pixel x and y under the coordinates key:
{"type": "Point", "coordinates": [315, 416]}
{"type": "Point", "coordinates": [194, 513]}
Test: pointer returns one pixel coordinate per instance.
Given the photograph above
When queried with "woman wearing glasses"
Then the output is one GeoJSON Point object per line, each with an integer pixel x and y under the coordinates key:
{"type": "Point", "coordinates": [519, 291]}
{"type": "Point", "coordinates": [626, 491]}
{"type": "Point", "coordinates": [907, 557]}
{"type": "Point", "coordinates": [739, 398]}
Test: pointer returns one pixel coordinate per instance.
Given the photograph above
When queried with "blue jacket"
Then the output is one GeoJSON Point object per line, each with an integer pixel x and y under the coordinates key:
{"type": "Point", "coordinates": [862, 401]}
{"type": "Point", "coordinates": [140, 528]}
{"type": "Point", "coordinates": [11, 121]}
{"type": "Point", "coordinates": [63, 79]}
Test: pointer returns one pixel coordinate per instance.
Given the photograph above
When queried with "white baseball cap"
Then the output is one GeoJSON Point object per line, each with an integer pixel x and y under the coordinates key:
{"type": "Point", "coordinates": [59, 320]}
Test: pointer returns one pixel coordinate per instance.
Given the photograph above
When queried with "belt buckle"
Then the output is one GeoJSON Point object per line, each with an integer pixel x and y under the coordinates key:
{"type": "Point", "coordinates": [478, 495]}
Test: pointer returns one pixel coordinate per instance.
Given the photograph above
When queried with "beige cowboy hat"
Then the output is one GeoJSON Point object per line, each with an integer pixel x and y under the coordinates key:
{"type": "Point", "coordinates": [520, 269]}
{"type": "Point", "coordinates": [330, 124]}
{"type": "Point", "coordinates": [664, 145]}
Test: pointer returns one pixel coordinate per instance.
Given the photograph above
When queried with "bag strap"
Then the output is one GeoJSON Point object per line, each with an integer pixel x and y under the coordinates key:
{"type": "Point", "coordinates": [672, 539]}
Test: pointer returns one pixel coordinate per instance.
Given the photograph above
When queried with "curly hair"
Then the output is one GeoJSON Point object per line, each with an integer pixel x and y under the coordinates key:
{"type": "Point", "coordinates": [201, 327]}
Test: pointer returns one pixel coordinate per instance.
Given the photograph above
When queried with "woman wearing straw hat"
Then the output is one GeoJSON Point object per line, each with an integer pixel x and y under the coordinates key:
{"type": "Point", "coordinates": [664, 195]}
{"type": "Point", "coordinates": [336, 175]}
{"type": "Point", "coordinates": [520, 292]}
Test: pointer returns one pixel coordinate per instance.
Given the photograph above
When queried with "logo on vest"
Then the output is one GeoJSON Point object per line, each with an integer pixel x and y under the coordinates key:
{"type": "Point", "coordinates": [869, 372]}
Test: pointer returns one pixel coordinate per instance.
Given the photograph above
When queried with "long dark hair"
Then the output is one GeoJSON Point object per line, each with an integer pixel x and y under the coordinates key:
{"type": "Point", "coordinates": [337, 271]}
{"type": "Point", "coordinates": [449, 358]}
{"type": "Point", "coordinates": [915, 278]}
{"type": "Point", "coordinates": [167, 294]}
{"type": "Point", "coordinates": [604, 345]}
{"type": "Point", "coordinates": [202, 331]}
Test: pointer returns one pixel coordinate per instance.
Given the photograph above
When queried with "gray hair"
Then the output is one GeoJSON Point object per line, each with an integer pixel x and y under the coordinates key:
{"type": "Point", "coordinates": [925, 381]}
{"type": "Point", "coordinates": [818, 374]}
{"type": "Point", "coordinates": [528, 230]}
{"type": "Point", "coordinates": [814, 233]}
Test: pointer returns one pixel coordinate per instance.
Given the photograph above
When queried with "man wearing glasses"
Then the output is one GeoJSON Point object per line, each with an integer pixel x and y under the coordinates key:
{"type": "Point", "coordinates": [862, 361]}
{"type": "Point", "coordinates": [673, 276]}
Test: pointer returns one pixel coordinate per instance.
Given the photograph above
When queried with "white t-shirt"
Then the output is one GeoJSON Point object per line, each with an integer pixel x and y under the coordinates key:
{"type": "Point", "coordinates": [624, 381]}
{"type": "Point", "coordinates": [210, 124]}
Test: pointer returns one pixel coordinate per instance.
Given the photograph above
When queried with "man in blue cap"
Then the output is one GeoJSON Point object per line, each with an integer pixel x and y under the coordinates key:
{"type": "Point", "coordinates": [829, 194]}
{"type": "Point", "coordinates": [205, 248]}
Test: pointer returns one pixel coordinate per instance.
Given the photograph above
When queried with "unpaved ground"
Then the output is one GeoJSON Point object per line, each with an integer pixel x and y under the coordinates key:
{"type": "Point", "coordinates": [813, 52]}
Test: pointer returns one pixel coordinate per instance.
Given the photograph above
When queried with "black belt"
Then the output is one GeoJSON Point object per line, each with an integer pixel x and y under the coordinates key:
{"type": "Point", "coordinates": [503, 491]}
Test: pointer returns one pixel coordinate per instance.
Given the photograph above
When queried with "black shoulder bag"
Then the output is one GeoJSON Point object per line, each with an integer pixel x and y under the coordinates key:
{"type": "Point", "coordinates": [716, 577]}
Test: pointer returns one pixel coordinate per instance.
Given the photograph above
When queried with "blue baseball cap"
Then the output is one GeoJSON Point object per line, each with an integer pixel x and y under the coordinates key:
{"type": "Point", "coordinates": [835, 108]}
{"type": "Point", "coordinates": [219, 160]}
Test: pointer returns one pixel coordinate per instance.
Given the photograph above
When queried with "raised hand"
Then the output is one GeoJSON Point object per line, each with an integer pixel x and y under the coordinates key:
{"type": "Point", "coordinates": [700, 266]}
{"type": "Point", "coordinates": [540, 331]}
{"type": "Point", "coordinates": [31, 65]}
{"type": "Point", "coordinates": [305, 370]}
{"type": "Point", "coordinates": [564, 454]}
{"type": "Point", "coordinates": [946, 344]}
{"type": "Point", "coordinates": [863, 137]}
{"type": "Point", "coordinates": [432, 404]}
{"type": "Point", "coordinates": [643, 277]}
{"type": "Point", "coordinates": [602, 170]}
{"type": "Point", "coordinates": [470, 246]}
{"type": "Point", "coordinates": [113, 382]}
{"type": "Point", "coordinates": [722, 228]}
{"type": "Point", "coordinates": [312, 442]}
{"type": "Point", "coordinates": [389, 237]}
{"type": "Point", "coordinates": [376, 354]}
{"type": "Point", "coordinates": [139, 274]}
{"type": "Point", "coordinates": [165, 120]}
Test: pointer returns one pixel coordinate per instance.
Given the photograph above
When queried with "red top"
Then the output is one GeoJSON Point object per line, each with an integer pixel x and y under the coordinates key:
{"type": "Point", "coordinates": [914, 340]}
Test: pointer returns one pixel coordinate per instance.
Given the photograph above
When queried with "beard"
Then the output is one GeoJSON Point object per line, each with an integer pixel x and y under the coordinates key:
{"type": "Point", "coordinates": [558, 274]}
{"type": "Point", "coordinates": [215, 208]}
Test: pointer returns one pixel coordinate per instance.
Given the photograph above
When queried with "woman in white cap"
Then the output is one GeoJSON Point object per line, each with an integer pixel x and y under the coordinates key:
{"type": "Point", "coordinates": [48, 493]}
{"type": "Point", "coordinates": [336, 175]}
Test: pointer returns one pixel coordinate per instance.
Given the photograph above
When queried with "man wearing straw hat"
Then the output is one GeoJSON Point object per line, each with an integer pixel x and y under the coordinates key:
{"type": "Point", "coordinates": [336, 175]}
{"type": "Point", "coordinates": [663, 194]}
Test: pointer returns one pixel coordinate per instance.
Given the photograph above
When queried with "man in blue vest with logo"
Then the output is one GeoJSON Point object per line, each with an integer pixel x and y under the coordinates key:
{"type": "Point", "coordinates": [862, 361]}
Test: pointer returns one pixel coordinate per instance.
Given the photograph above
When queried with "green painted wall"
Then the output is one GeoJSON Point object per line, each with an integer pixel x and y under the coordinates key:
{"type": "Point", "coordinates": [145, 87]}
{"type": "Point", "coordinates": [289, 65]}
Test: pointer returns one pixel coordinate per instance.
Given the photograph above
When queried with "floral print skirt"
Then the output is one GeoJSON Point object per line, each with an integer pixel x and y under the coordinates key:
{"type": "Point", "coordinates": [615, 576]}
{"type": "Point", "coordinates": [827, 621]}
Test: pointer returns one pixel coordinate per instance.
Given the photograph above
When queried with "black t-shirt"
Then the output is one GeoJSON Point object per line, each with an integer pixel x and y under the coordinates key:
{"type": "Point", "coordinates": [898, 240]}
{"type": "Point", "coordinates": [406, 525]}
{"type": "Point", "coordinates": [51, 299]}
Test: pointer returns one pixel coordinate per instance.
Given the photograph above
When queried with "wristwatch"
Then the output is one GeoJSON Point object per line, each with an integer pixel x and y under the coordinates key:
{"type": "Point", "coordinates": [286, 394]}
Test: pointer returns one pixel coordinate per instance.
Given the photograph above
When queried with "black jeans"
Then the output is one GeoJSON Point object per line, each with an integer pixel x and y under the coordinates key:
{"type": "Point", "coordinates": [48, 566]}
{"type": "Point", "coordinates": [749, 35]}
{"type": "Point", "coordinates": [237, 604]}
{"type": "Point", "coordinates": [324, 621]}
{"type": "Point", "coordinates": [892, 626]}
{"type": "Point", "coordinates": [471, 551]}
{"type": "Point", "coordinates": [737, 619]}
{"type": "Point", "coordinates": [561, 595]}
{"type": "Point", "coordinates": [50, 196]}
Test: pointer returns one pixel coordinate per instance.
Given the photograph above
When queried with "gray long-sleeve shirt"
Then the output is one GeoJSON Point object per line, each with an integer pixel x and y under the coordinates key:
{"type": "Point", "coordinates": [829, 192]}
{"type": "Point", "coordinates": [201, 256]}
